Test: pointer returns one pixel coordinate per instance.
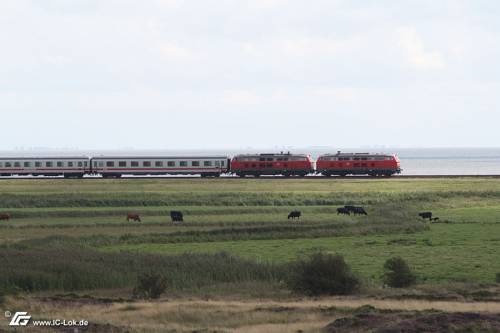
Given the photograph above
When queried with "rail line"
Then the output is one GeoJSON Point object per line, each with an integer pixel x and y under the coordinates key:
{"type": "Point", "coordinates": [261, 178]}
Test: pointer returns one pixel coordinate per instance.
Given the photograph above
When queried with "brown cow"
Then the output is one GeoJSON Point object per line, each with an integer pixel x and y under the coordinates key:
{"type": "Point", "coordinates": [5, 216]}
{"type": "Point", "coordinates": [134, 217]}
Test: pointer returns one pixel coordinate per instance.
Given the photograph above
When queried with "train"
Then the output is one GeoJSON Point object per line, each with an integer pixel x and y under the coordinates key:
{"type": "Point", "coordinates": [242, 165]}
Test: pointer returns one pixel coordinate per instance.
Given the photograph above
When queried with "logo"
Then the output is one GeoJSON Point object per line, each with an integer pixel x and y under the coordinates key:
{"type": "Point", "coordinates": [20, 319]}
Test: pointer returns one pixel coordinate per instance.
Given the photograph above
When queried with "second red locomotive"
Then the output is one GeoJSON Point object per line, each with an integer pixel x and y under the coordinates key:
{"type": "Point", "coordinates": [343, 164]}
{"type": "Point", "coordinates": [272, 164]}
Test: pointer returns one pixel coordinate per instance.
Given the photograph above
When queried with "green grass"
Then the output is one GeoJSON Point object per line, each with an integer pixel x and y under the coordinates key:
{"type": "Point", "coordinates": [248, 218]}
{"type": "Point", "coordinates": [464, 252]}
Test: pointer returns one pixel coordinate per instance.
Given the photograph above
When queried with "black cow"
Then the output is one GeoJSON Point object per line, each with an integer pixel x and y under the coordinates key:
{"type": "Point", "coordinates": [294, 214]}
{"type": "Point", "coordinates": [435, 219]}
{"type": "Point", "coordinates": [360, 211]}
{"type": "Point", "coordinates": [425, 215]}
{"type": "Point", "coordinates": [343, 211]}
{"type": "Point", "coordinates": [176, 216]}
{"type": "Point", "coordinates": [350, 209]}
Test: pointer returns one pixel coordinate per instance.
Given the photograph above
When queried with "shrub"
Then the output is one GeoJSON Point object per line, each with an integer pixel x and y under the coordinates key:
{"type": "Point", "coordinates": [150, 286]}
{"type": "Point", "coordinates": [397, 273]}
{"type": "Point", "coordinates": [322, 274]}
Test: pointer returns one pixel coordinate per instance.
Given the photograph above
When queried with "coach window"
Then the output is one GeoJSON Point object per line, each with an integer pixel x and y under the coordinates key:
{"type": "Point", "coordinates": [262, 159]}
{"type": "Point", "coordinates": [85, 163]}
{"type": "Point", "coordinates": [8, 164]}
{"type": "Point", "coordinates": [27, 164]}
{"type": "Point", "coordinates": [1, 164]}
{"type": "Point", "coordinates": [59, 164]}
{"type": "Point", "coordinates": [48, 164]}
{"type": "Point", "coordinates": [207, 163]}
{"type": "Point", "coordinates": [158, 164]}
{"type": "Point", "coordinates": [110, 164]}
{"type": "Point", "coordinates": [38, 164]}
{"type": "Point", "coordinates": [70, 164]}
{"type": "Point", "coordinates": [80, 164]}
{"type": "Point", "coordinates": [171, 163]}
{"type": "Point", "coordinates": [183, 163]}
{"type": "Point", "coordinates": [134, 164]}
{"type": "Point", "coordinates": [146, 164]}
{"type": "Point", "coordinates": [17, 165]}
{"type": "Point", "coordinates": [122, 164]}
{"type": "Point", "coordinates": [195, 163]}
{"type": "Point", "coordinates": [222, 163]}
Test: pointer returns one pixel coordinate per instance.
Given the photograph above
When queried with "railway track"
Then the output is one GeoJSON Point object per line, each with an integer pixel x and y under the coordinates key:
{"type": "Point", "coordinates": [333, 178]}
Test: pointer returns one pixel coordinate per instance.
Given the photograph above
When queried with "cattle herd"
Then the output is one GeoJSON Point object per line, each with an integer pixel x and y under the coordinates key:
{"type": "Point", "coordinates": [177, 216]}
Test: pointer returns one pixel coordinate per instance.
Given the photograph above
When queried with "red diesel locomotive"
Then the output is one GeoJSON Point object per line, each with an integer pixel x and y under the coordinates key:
{"type": "Point", "coordinates": [343, 164]}
{"type": "Point", "coordinates": [272, 164]}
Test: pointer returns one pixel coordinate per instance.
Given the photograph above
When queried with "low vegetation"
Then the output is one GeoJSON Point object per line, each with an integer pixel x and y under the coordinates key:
{"type": "Point", "coordinates": [397, 273]}
{"type": "Point", "coordinates": [150, 286]}
{"type": "Point", "coordinates": [322, 274]}
{"type": "Point", "coordinates": [42, 269]}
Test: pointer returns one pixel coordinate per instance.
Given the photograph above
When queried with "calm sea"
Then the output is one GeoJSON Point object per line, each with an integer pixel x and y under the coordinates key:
{"type": "Point", "coordinates": [414, 161]}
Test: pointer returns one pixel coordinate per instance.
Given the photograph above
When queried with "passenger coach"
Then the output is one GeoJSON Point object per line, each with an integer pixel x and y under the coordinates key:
{"type": "Point", "coordinates": [208, 166]}
{"type": "Point", "coordinates": [69, 167]}
{"type": "Point", "coordinates": [343, 164]}
{"type": "Point", "coordinates": [272, 164]}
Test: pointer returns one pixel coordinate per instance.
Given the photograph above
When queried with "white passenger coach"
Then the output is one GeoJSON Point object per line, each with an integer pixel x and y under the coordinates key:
{"type": "Point", "coordinates": [70, 167]}
{"type": "Point", "coordinates": [206, 166]}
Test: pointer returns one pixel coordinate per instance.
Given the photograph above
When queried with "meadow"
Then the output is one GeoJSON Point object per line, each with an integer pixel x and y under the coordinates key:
{"type": "Point", "coordinates": [71, 236]}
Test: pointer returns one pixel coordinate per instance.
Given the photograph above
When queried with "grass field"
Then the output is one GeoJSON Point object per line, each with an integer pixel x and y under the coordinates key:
{"type": "Point", "coordinates": [72, 236]}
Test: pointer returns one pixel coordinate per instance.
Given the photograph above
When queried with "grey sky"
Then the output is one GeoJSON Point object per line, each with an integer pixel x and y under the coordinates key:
{"type": "Point", "coordinates": [166, 74]}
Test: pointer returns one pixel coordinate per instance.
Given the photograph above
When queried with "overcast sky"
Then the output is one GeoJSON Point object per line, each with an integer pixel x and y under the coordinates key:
{"type": "Point", "coordinates": [165, 74]}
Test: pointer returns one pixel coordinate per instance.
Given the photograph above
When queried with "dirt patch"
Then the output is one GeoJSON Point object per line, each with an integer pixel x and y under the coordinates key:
{"type": "Point", "coordinates": [369, 319]}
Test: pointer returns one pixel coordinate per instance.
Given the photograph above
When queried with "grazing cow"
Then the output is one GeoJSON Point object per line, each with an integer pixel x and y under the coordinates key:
{"type": "Point", "coordinates": [176, 216]}
{"type": "Point", "coordinates": [5, 216]}
{"type": "Point", "coordinates": [350, 209]}
{"type": "Point", "coordinates": [134, 217]}
{"type": "Point", "coordinates": [343, 211]}
{"type": "Point", "coordinates": [425, 215]}
{"type": "Point", "coordinates": [434, 219]}
{"type": "Point", "coordinates": [294, 214]}
{"type": "Point", "coordinates": [360, 211]}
